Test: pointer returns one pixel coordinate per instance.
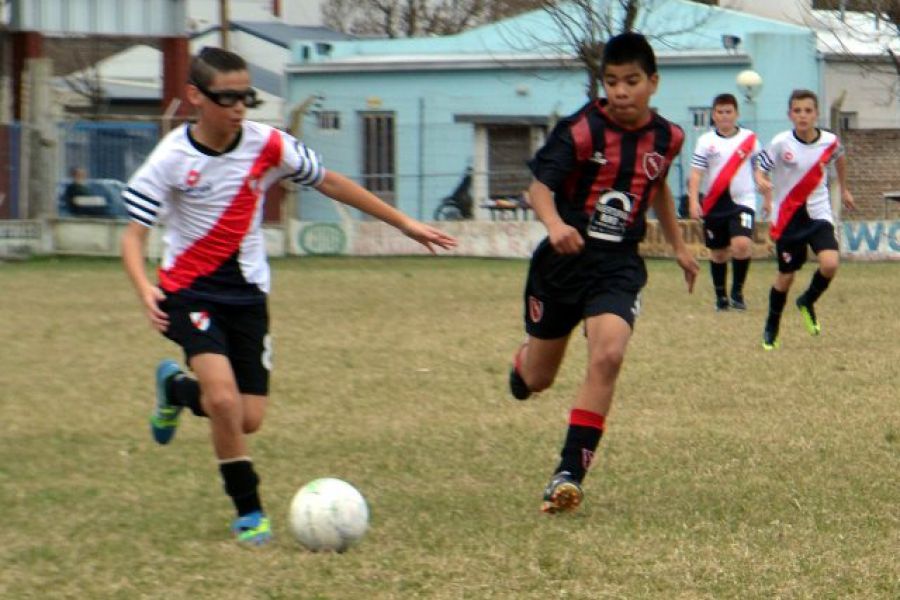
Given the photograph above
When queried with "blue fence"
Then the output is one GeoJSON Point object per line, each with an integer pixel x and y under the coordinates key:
{"type": "Point", "coordinates": [107, 150]}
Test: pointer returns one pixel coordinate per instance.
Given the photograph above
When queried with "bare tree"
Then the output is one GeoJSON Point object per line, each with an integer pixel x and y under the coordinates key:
{"type": "Point", "coordinates": [410, 18]}
{"type": "Point", "coordinates": [585, 25]}
{"type": "Point", "coordinates": [858, 21]}
{"type": "Point", "coordinates": [862, 30]}
{"type": "Point", "coordinates": [87, 82]}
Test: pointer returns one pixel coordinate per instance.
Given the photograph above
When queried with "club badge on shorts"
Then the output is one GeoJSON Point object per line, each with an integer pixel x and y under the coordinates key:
{"type": "Point", "coordinates": [200, 319]}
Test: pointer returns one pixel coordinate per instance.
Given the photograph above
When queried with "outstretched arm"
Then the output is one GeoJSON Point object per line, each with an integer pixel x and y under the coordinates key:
{"type": "Point", "coordinates": [764, 185]}
{"type": "Point", "coordinates": [341, 188]}
{"type": "Point", "coordinates": [664, 206]}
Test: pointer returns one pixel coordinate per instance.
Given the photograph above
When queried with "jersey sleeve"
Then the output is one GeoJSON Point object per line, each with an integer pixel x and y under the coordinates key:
{"type": "Point", "coordinates": [555, 160]}
{"type": "Point", "coordinates": [839, 152]}
{"type": "Point", "coordinates": [699, 160]}
{"type": "Point", "coordinates": [147, 194]}
{"type": "Point", "coordinates": [768, 155]}
{"type": "Point", "coordinates": [301, 164]}
{"type": "Point", "coordinates": [674, 147]}
{"type": "Point", "coordinates": [757, 153]}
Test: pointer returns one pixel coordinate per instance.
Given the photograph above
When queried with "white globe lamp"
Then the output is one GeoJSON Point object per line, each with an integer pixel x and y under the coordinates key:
{"type": "Point", "coordinates": [749, 82]}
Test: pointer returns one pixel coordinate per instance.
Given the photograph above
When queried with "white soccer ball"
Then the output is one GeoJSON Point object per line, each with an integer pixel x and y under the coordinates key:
{"type": "Point", "coordinates": [328, 514]}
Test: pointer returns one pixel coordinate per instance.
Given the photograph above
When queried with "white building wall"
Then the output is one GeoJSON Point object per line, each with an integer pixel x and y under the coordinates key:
{"type": "Point", "coordinates": [872, 93]}
{"type": "Point", "coordinates": [205, 13]}
{"type": "Point", "coordinates": [792, 11]}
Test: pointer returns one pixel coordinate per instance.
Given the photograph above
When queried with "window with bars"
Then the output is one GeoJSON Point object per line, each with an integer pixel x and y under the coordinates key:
{"type": "Point", "coordinates": [378, 143]}
{"type": "Point", "coordinates": [701, 117]}
{"type": "Point", "coordinates": [848, 120]}
{"type": "Point", "coordinates": [329, 120]}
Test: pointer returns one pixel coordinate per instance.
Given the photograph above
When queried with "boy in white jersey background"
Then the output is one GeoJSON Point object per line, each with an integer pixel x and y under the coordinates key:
{"type": "Point", "coordinates": [206, 183]}
{"type": "Point", "coordinates": [793, 167]}
{"type": "Point", "coordinates": [723, 161]}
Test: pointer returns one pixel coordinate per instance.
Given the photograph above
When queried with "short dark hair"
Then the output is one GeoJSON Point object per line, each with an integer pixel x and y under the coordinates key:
{"type": "Point", "coordinates": [722, 99]}
{"type": "Point", "coordinates": [629, 47]}
{"type": "Point", "coordinates": [211, 60]}
{"type": "Point", "coordinates": [803, 95]}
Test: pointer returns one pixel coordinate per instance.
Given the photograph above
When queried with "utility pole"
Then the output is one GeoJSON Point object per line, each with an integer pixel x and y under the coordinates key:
{"type": "Point", "coordinates": [224, 23]}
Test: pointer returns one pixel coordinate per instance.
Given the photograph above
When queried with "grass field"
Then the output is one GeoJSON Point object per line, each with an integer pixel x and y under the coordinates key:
{"type": "Point", "coordinates": [726, 472]}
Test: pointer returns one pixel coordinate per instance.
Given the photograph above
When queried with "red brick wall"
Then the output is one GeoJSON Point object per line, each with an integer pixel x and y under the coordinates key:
{"type": "Point", "coordinates": [873, 167]}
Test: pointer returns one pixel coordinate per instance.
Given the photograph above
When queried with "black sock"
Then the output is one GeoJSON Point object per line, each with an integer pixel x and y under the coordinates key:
{"type": "Point", "coordinates": [241, 484]}
{"type": "Point", "coordinates": [719, 273]}
{"type": "Point", "coordinates": [585, 431]}
{"type": "Point", "coordinates": [777, 301]}
{"type": "Point", "coordinates": [741, 266]}
{"type": "Point", "coordinates": [817, 286]}
{"type": "Point", "coordinates": [185, 391]}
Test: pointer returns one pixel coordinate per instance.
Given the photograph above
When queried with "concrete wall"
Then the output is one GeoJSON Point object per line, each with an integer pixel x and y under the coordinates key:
{"type": "Point", "coordinates": [860, 240]}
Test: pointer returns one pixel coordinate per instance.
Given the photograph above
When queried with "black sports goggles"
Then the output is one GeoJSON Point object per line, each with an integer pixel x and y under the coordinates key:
{"type": "Point", "coordinates": [228, 98]}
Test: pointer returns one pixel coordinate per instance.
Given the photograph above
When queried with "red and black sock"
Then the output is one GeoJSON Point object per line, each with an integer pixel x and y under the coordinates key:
{"type": "Point", "coordinates": [185, 391]}
{"type": "Point", "coordinates": [241, 483]}
{"type": "Point", "coordinates": [585, 431]}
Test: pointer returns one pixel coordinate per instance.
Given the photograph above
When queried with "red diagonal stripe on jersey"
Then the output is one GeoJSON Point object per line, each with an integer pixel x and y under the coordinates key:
{"type": "Point", "coordinates": [723, 179]}
{"type": "Point", "coordinates": [208, 253]}
{"type": "Point", "coordinates": [800, 192]}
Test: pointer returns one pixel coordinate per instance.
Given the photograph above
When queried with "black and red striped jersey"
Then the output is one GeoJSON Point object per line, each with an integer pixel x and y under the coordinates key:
{"type": "Point", "coordinates": [603, 175]}
{"type": "Point", "coordinates": [211, 206]}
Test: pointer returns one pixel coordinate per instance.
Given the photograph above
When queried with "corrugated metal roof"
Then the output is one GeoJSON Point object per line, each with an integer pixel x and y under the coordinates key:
{"type": "Point", "coordinates": [123, 17]}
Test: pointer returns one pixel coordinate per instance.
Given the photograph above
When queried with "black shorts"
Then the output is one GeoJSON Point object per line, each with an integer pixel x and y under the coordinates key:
{"type": "Point", "coordinates": [717, 232]}
{"type": "Point", "coordinates": [239, 332]}
{"type": "Point", "coordinates": [791, 252]}
{"type": "Point", "coordinates": [563, 290]}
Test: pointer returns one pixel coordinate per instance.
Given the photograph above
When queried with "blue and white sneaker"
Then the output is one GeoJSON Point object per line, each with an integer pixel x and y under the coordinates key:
{"type": "Point", "coordinates": [253, 529]}
{"type": "Point", "coordinates": [164, 419]}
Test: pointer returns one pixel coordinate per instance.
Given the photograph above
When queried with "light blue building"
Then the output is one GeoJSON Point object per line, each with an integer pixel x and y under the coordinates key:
{"type": "Point", "coordinates": [406, 117]}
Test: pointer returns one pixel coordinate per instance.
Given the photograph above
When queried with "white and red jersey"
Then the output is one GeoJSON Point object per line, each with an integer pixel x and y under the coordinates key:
{"type": "Point", "coordinates": [798, 172]}
{"type": "Point", "coordinates": [211, 205]}
{"type": "Point", "coordinates": [728, 184]}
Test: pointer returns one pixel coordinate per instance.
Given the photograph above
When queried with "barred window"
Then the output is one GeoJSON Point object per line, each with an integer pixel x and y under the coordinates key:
{"type": "Point", "coordinates": [378, 154]}
{"type": "Point", "coordinates": [328, 120]}
{"type": "Point", "coordinates": [701, 117]}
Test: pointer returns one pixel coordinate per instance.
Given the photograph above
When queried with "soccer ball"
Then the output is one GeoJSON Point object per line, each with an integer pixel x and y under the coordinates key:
{"type": "Point", "coordinates": [328, 514]}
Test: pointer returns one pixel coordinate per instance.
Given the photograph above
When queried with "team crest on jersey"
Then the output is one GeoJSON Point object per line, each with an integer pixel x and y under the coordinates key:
{"type": "Point", "coordinates": [200, 319]}
{"type": "Point", "coordinates": [653, 164]}
{"type": "Point", "coordinates": [535, 309]}
{"type": "Point", "coordinates": [788, 156]}
{"type": "Point", "coordinates": [192, 188]}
